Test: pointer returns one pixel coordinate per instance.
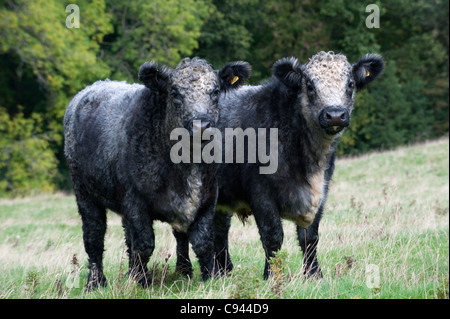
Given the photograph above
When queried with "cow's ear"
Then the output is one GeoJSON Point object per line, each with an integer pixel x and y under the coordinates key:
{"type": "Point", "coordinates": [367, 69]}
{"type": "Point", "coordinates": [234, 74]}
{"type": "Point", "coordinates": [289, 72]}
{"type": "Point", "coordinates": [154, 76]}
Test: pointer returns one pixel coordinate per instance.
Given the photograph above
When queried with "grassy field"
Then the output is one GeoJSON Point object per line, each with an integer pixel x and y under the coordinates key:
{"type": "Point", "coordinates": [385, 234]}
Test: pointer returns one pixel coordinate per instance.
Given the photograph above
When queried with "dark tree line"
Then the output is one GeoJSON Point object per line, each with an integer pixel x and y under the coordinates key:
{"type": "Point", "coordinates": [43, 63]}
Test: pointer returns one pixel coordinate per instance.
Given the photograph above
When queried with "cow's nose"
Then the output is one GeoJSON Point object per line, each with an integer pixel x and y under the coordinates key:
{"type": "Point", "coordinates": [334, 116]}
{"type": "Point", "coordinates": [200, 123]}
{"type": "Point", "coordinates": [203, 124]}
{"type": "Point", "coordinates": [337, 117]}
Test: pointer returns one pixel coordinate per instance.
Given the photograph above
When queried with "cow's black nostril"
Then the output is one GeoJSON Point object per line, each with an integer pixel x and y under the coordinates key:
{"type": "Point", "coordinates": [343, 116]}
{"type": "Point", "coordinates": [328, 116]}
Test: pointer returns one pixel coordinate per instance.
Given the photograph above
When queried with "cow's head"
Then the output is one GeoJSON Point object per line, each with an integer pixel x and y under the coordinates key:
{"type": "Point", "coordinates": [327, 84]}
{"type": "Point", "coordinates": [193, 89]}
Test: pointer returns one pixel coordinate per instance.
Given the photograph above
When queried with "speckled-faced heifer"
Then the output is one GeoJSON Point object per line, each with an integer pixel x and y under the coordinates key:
{"type": "Point", "coordinates": [117, 145]}
{"type": "Point", "coordinates": [310, 105]}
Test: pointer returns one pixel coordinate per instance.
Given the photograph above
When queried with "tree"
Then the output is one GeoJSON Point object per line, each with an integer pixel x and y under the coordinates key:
{"type": "Point", "coordinates": [381, 118]}
{"type": "Point", "coordinates": [160, 30]}
{"type": "Point", "coordinates": [63, 60]}
{"type": "Point", "coordinates": [44, 65]}
{"type": "Point", "coordinates": [260, 32]}
{"type": "Point", "coordinates": [27, 163]}
{"type": "Point", "coordinates": [231, 32]}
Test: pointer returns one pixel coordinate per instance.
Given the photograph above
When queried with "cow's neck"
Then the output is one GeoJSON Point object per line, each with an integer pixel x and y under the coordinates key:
{"type": "Point", "coordinates": [316, 148]}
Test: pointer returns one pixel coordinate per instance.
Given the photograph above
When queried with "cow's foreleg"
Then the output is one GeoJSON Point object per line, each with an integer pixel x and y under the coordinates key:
{"type": "Point", "coordinates": [184, 265]}
{"type": "Point", "coordinates": [93, 217]}
{"type": "Point", "coordinates": [222, 221]}
{"type": "Point", "coordinates": [308, 239]}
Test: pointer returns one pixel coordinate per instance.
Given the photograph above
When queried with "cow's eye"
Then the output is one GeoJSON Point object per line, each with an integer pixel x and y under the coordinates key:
{"type": "Point", "coordinates": [309, 87]}
{"type": "Point", "coordinates": [351, 85]}
{"type": "Point", "coordinates": [215, 94]}
{"type": "Point", "coordinates": [177, 99]}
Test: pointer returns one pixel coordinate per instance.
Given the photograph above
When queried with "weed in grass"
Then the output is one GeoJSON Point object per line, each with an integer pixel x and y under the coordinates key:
{"type": "Point", "coordinates": [342, 269]}
{"type": "Point", "coordinates": [246, 283]}
{"type": "Point", "coordinates": [121, 275]}
{"type": "Point", "coordinates": [439, 210]}
{"type": "Point", "coordinates": [75, 264]}
{"type": "Point", "coordinates": [357, 206]}
{"type": "Point", "coordinates": [31, 283]}
{"type": "Point", "coordinates": [349, 261]}
{"type": "Point", "coordinates": [59, 287]}
{"type": "Point", "coordinates": [160, 275]}
{"type": "Point", "coordinates": [278, 271]}
{"type": "Point", "coordinates": [16, 241]}
{"type": "Point", "coordinates": [385, 193]}
{"type": "Point", "coordinates": [443, 291]}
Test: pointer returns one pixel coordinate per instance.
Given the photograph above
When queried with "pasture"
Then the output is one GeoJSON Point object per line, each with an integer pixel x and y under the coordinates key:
{"type": "Point", "coordinates": [384, 234]}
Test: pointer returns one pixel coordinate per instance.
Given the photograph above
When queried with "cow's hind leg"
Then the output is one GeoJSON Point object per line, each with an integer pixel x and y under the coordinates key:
{"type": "Point", "coordinates": [269, 225]}
{"type": "Point", "coordinates": [271, 232]}
{"type": "Point", "coordinates": [93, 217]}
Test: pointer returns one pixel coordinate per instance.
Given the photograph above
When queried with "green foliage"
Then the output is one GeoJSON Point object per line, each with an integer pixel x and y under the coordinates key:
{"type": "Point", "coordinates": [26, 161]}
{"type": "Point", "coordinates": [381, 117]}
{"type": "Point", "coordinates": [226, 34]}
{"type": "Point", "coordinates": [62, 59]}
{"type": "Point", "coordinates": [46, 63]}
{"type": "Point", "coordinates": [160, 30]}
{"type": "Point", "coordinates": [43, 63]}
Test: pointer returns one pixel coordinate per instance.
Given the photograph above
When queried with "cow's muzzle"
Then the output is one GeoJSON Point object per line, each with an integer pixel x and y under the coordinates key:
{"type": "Point", "coordinates": [201, 123]}
{"type": "Point", "coordinates": [334, 119]}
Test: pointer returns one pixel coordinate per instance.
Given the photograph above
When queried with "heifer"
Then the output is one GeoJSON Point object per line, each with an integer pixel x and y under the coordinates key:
{"type": "Point", "coordinates": [117, 146]}
{"type": "Point", "coordinates": [311, 106]}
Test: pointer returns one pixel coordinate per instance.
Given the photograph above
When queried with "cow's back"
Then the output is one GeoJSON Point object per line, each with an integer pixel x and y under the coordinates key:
{"type": "Point", "coordinates": [95, 117]}
{"type": "Point", "coordinates": [94, 133]}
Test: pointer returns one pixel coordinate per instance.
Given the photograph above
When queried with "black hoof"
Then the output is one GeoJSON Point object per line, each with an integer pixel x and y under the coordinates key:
{"type": "Point", "coordinates": [184, 269]}
{"type": "Point", "coordinates": [96, 280]}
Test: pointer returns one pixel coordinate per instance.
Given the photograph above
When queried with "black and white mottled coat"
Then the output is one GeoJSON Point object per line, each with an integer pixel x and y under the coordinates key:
{"type": "Point", "coordinates": [310, 105]}
{"type": "Point", "coordinates": [117, 145]}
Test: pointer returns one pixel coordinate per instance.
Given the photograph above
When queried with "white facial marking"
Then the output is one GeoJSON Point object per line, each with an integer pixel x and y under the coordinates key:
{"type": "Point", "coordinates": [195, 81]}
{"type": "Point", "coordinates": [330, 73]}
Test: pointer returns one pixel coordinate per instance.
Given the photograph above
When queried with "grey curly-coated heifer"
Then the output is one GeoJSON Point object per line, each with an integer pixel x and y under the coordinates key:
{"type": "Point", "coordinates": [310, 105]}
{"type": "Point", "coordinates": [117, 146]}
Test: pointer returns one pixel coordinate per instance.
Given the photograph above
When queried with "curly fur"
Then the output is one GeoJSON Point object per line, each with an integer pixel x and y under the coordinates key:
{"type": "Point", "coordinates": [330, 73]}
{"type": "Point", "coordinates": [292, 101]}
{"type": "Point", "coordinates": [118, 150]}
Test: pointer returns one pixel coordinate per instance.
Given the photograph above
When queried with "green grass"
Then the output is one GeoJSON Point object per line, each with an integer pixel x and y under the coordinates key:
{"type": "Point", "coordinates": [388, 211]}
